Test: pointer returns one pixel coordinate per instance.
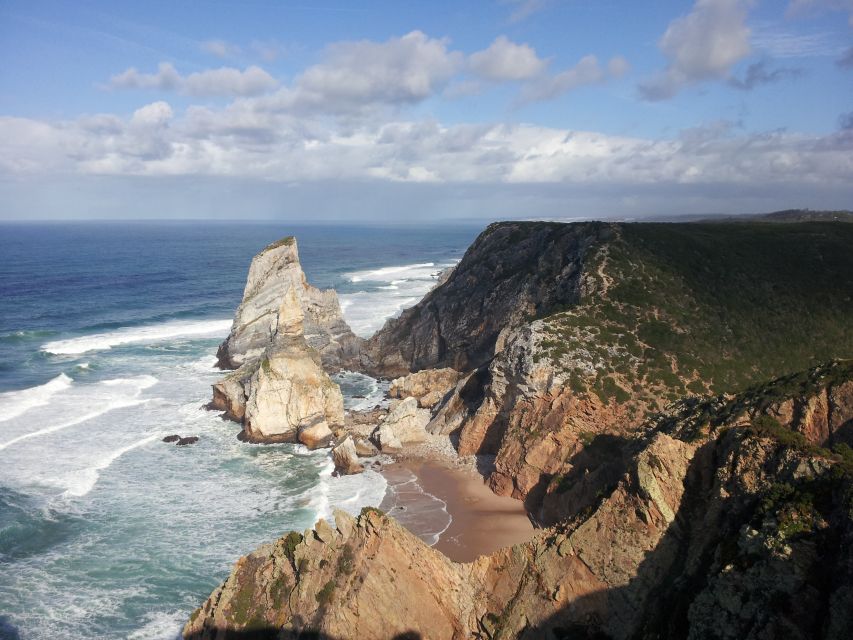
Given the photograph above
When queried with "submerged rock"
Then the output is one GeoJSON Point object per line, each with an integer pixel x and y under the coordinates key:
{"type": "Point", "coordinates": [182, 442]}
{"type": "Point", "coordinates": [172, 438]}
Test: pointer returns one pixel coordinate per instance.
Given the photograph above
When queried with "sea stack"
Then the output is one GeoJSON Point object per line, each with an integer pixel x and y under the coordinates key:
{"type": "Point", "coordinates": [280, 390]}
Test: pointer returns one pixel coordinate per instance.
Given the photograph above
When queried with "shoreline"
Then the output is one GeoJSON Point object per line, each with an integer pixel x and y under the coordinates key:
{"type": "Point", "coordinates": [450, 506]}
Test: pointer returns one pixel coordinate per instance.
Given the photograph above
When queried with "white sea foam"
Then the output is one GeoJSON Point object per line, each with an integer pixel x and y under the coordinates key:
{"type": "Point", "coordinates": [16, 403]}
{"type": "Point", "coordinates": [81, 482]}
{"type": "Point", "coordinates": [133, 335]}
{"type": "Point", "coordinates": [104, 405]}
{"type": "Point", "coordinates": [391, 289]}
{"type": "Point", "coordinates": [161, 626]}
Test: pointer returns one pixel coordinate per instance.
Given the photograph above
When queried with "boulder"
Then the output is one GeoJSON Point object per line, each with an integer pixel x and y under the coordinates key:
{"type": "Point", "coordinates": [172, 438]}
{"type": "Point", "coordinates": [387, 440]}
{"type": "Point", "coordinates": [428, 387]}
{"type": "Point", "coordinates": [345, 458]}
{"type": "Point", "coordinates": [182, 442]}
{"type": "Point", "coordinates": [315, 435]}
{"type": "Point", "coordinates": [364, 447]}
{"type": "Point", "coordinates": [404, 424]}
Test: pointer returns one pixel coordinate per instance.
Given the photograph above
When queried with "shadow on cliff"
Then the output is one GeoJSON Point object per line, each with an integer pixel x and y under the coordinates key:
{"type": "Point", "coordinates": [278, 634]}
{"type": "Point", "coordinates": [595, 471]}
{"type": "Point", "coordinates": [692, 554]}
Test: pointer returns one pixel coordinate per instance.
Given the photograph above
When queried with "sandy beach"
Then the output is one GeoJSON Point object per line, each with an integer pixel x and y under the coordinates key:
{"type": "Point", "coordinates": [455, 506]}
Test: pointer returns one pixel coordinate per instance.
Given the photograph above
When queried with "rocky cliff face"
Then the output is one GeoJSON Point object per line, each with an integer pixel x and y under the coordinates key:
{"type": "Point", "coordinates": [273, 272]}
{"type": "Point", "coordinates": [510, 273]}
{"type": "Point", "coordinates": [712, 529]}
{"type": "Point", "coordinates": [280, 391]}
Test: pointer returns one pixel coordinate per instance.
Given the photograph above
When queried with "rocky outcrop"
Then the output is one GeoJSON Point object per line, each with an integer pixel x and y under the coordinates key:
{"type": "Point", "coordinates": [273, 273]}
{"type": "Point", "coordinates": [280, 392]}
{"type": "Point", "coordinates": [404, 424]}
{"type": "Point", "coordinates": [428, 387]}
{"type": "Point", "coordinates": [720, 533]}
{"type": "Point", "coordinates": [345, 457]}
{"type": "Point", "coordinates": [513, 271]}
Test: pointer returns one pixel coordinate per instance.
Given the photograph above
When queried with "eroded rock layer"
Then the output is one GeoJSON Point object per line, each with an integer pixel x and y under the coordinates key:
{"type": "Point", "coordinates": [714, 528]}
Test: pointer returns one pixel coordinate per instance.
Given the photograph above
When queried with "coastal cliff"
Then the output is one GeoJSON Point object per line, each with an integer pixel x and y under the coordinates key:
{"type": "Point", "coordinates": [280, 391]}
{"type": "Point", "coordinates": [722, 523]}
{"type": "Point", "coordinates": [618, 375]}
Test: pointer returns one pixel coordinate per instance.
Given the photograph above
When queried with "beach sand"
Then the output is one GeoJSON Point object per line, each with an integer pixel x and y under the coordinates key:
{"type": "Point", "coordinates": [423, 493]}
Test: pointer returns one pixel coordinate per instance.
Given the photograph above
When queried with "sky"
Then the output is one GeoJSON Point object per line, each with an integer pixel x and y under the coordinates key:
{"type": "Point", "coordinates": [416, 111]}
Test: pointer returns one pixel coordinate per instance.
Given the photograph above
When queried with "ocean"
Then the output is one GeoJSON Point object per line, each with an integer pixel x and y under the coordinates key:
{"type": "Point", "coordinates": [108, 334]}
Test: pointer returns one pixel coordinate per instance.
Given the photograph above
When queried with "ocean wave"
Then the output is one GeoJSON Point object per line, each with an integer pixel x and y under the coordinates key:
{"type": "Point", "coordinates": [132, 335]}
{"type": "Point", "coordinates": [423, 270]}
{"type": "Point", "coordinates": [105, 404]}
{"type": "Point", "coordinates": [387, 292]}
{"type": "Point", "coordinates": [16, 403]}
{"type": "Point", "coordinates": [81, 482]}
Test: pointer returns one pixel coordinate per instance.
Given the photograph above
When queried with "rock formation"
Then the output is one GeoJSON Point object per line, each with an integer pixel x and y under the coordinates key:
{"type": "Point", "coordinates": [280, 391]}
{"type": "Point", "coordinates": [618, 373]}
{"type": "Point", "coordinates": [345, 457]}
{"type": "Point", "coordinates": [428, 387]}
{"type": "Point", "coordinates": [404, 424]}
{"type": "Point", "coordinates": [273, 272]}
{"type": "Point", "coordinates": [711, 530]}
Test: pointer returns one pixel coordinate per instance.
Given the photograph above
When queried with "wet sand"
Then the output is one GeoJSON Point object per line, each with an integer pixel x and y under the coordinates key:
{"type": "Point", "coordinates": [479, 521]}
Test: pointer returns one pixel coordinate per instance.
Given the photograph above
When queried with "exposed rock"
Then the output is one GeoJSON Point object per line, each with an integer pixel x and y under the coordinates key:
{"type": "Point", "coordinates": [699, 538]}
{"type": "Point", "coordinates": [428, 387]}
{"type": "Point", "coordinates": [345, 457]}
{"type": "Point", "coordinates": [364, 447]}
{"type": "Point", "coordinates": [404, 424]}
{"type": "Point", "coordinates": [280, 392]}
{"type": "Point", "coordinates": [387, 440]}
{"type": "Point", "coordinates": [172, 438]}
{"type": "Point", "coordinates": [182, 442]}
{"type": "Point", "coordinates": [274, 274]}
{"type": "Point", "coordinates": [512, 271]}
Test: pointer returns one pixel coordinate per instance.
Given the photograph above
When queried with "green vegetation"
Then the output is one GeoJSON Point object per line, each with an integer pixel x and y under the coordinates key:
{"type": "Point", "coordinates": [672, 308]}
{"type": "Point", "coordinates": [324, 595]}
{"type": "Point", "coordinates": [367, 510]}
{"type": "Point", "coordinates": [284, 242]}
{"type": "Point", "coordinates": [291, 541]}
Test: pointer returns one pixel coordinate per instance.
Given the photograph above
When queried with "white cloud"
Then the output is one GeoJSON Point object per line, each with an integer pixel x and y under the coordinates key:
{"type": "Point", "coordinates": [504, 60]}
{"type": "Point", "coordinates": [588, 71]}
{"type": "Point", "coordinates": [220, 48]}
{"type": "Point", "coordinates": [702, 45]}
{"type": "Point", "coordinates": [363, 74]}
{"type": "Point", "coordinates": [240, 142]}
{"type": "Point", "coordinates": [225, 81]}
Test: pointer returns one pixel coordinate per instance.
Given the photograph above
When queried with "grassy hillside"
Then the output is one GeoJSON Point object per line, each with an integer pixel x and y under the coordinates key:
{"type": "Point", "coordinates": [673, 308]}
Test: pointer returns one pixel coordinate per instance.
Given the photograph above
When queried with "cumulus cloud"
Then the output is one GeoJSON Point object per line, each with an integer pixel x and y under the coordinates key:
{"type": "Point", "coordinates": [365, 74]}
{"type": "Point", "coordinates": [505, 60]}
{"type": "Point", "coordinates": [702, 45]}
{"type": "Point", "coordinates": [225, 81]}
{"type": "Point", "coordinates": [220, 48]}
{"type": "Point", "coordinates": [588, 71]}
{"type": "Point", "coordinates": [758, 74]}
{"type": "Point", "coordinates": [242, 142]}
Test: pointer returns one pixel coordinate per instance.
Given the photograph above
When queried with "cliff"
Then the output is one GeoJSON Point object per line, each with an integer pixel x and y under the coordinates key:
{"type": "Point", "coordinates": [657, 312]}
{"type": "Point", "coordinates": [510, 273]}
{"type": "Point", "coordinates": [280, 392]}
{"type": "Point", "coordinates": [273, 272]}
{"type": "Point", "coordinates": [618, 373]}
{"type": "Point", "coordinates": [717, 526]}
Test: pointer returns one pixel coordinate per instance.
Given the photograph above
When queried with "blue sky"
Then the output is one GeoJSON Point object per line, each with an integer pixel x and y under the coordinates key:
{"type": "Point", "coordinates": [424, 110]}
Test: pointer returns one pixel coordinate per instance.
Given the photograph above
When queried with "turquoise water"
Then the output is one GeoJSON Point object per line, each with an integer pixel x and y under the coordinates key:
{"type": "Point", "coordinates": [107, 342]}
